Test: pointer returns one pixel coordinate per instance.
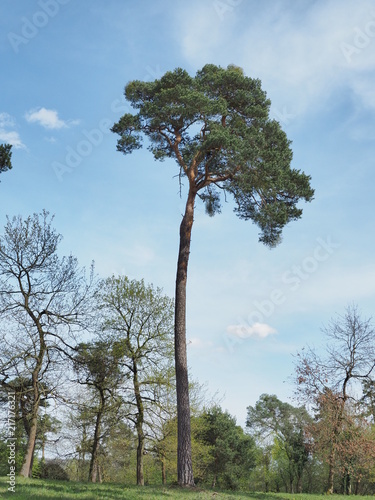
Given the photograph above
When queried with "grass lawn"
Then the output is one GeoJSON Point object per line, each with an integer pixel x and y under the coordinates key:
{"type": "Point", "coordinates": [27, 489]}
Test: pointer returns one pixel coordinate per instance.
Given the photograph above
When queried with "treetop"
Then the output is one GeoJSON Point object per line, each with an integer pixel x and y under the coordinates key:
{"type": "Point", "coordinates": [216, 125]}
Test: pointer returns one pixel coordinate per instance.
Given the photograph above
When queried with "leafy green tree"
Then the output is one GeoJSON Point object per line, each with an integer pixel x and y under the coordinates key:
{"type": "Point", "coordinates": [138, 320]}
{"type": "Point", "coordinates": [5, 157]}
{"type": "Point", "coordinates": [43, 301]}
{"type": "Point", "coordinates": [216, 126]}
{"type": "Point", "coordinates": [284, 425]}
{"type": "Point", "coordinates": [165, 435]}
{"type": "Point", "coordinates": [231, 453]}
{"type": "Point", "coordinates": [264, 477]}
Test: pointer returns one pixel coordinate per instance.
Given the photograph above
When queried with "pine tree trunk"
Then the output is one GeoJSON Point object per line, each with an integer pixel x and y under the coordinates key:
{"type": "Point", "coordinates": [184, 458]}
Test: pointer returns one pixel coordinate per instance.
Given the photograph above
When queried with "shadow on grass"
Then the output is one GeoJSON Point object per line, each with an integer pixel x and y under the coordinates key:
{"type": "Point", "coordinates": [37, 489]}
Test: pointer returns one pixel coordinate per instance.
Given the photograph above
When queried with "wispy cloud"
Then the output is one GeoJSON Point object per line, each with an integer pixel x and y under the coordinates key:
{"type": "Point", "coordinates": [48, 118]}
{"type": "Point", "coordinates": [301, 55]}
{"type": "Point", "coordinates": [7, 135]}
{"type": "Point", "coordinates": [257, 330]}
{"type": "Point", "coordinates": [199, 343]}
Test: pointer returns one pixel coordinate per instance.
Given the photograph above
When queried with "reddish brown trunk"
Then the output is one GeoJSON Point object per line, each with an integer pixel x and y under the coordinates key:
{"type": "Point", "coordinates": [184, 458]}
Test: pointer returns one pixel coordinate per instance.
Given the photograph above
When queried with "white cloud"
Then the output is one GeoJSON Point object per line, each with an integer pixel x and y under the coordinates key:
{"type": "Point", "coordinates": [47, 118]}
{"type": "Point", "coordinates": [199, 343]}
{"type": "Point", "coordinates": [9, 136]}
{"type": "Point", "coordinates": [52, 140]}
{"type": "Point", "coordinates": [6, 120]}
{"type": "Point", "coordinates": [300, 53]}
{"type": "Point", "coordinates": [257, 330]}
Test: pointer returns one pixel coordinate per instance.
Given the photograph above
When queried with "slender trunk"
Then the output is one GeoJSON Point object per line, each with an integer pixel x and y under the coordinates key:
{"type": "Point", "coordinates": [95, 446]}
{"type": "Point", "coordinates": [163, 471]}
{"type": "Point", "coordinates": [331, 472]}
{"type": "Point", "coordinates": [348, 484]}
{"type": "Point", "coordinates": [100, 476]}
{"type": "Point", "coordinates": [28, 460]}
{"type": "Point", "coordinates": [140, 452]}
{"type": "Point", "coordinates": [26, 469]}
{"type": "Point", "coordinates": [139, 425]}
{"type": "Point", "coordinates": [184, 458]}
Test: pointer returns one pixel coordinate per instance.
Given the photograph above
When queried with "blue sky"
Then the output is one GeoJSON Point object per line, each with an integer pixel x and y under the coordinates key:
{"type": "Point", "coordinates": [65, 64]}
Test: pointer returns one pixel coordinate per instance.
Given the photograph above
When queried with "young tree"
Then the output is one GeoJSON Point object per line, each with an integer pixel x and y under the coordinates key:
{"type": "Point", "coordinates": [231, 453]}
{"type": "Point", "coordinates": [284, 425]}
{"type": "Point", "coordinates": [330, 382]}
{"type": "Point", "coordinates": [138, 320]}
{"type": "Point", "coordinates": [343, 438]}
{"type": "Point", "coordinates": [43, 299]}
{"type": "Point", "coordinates": [217, 127]}
{"type": "Point", "coordinates": [97, 367]}
{"type": "Point", "coordinates": [5, 157]}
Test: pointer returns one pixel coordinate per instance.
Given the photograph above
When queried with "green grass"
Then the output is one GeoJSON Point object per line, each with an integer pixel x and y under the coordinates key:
{"type": "Point", "coordinates": [32, 489]}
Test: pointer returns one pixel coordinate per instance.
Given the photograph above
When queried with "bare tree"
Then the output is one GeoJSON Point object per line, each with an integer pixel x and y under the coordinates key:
{"type": "Point", "coordinates": [44, 301]}
{"type": "Point", "coordinates": [329, 382]}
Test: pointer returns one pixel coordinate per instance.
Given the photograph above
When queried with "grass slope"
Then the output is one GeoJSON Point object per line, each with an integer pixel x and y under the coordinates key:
{"type": "Point", "coordinates": [27, 489]}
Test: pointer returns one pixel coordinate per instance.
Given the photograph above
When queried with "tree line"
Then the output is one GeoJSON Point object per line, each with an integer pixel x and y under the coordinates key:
{"type": "Point", "coordinates": [110, 352]}
{"type": "Point", "coordinates": [217, 127]}
{"type": "Point", "coordinates": [91, 364]}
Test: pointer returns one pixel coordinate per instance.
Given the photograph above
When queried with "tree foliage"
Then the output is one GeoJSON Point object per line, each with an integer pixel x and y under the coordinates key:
{"type": "Point", "coordinates": [43, 300]}
{"type": "Point", "coordinates": [280, 423]}
{"type": "Point", "coordinates": [97, 367]}
{"type": "Point", "coordinates": [331, 385]}
{"type": "Point", "coordinates": [216, 126]}
{"type": "Point", "coordinates": [231, 453]}
{"type": "Point", "coordinates": [138, 322]}
{"type": "Point", "coordinates": [5, 157]}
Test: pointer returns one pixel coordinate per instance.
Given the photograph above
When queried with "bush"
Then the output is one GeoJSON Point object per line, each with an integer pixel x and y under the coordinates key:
{"type": "Point", "coordinates": [52, 469]}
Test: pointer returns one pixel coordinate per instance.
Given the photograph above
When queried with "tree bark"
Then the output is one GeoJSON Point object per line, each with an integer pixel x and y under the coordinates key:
{"type": "Point", "coordinates": [184, 457]}
{"type": "Point", "coordinates": [140, 452]}
{"type": "Point", "coordinates": [163, 472]}
{"type": "Point", "coordinates": [95, 446]}
{"type": "Point", "coordinates": [27, 465]}
{"type": "Point", "coordinates": [139, 425]}
{"type": "Point", "coordinates": [331, 473]}
{"type": "Point", "coordinates": [26, 469]}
